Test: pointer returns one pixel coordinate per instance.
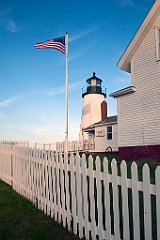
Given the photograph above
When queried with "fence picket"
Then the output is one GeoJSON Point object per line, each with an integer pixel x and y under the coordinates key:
{"type": "Point", "coordinates": [63, 213]}
{"type": "Point", "coordinates": [29, 177]}
{"type": "Point", "coordinates": [147, 202]}
{"type": "Point", "coordinates": [43, 179]}
{"type": "Point", "coordinates": [14, 167]}
{"type": "Point", "coordinates": [59, 206]}
{"type": "Point", "coordinates": [50, 197]}
{"type": "Point", "coordinates": [73, 193]}
{"type": "Point", "coordinates": [52, 186]}
{"type": "Point", "coordinates": [135, 202]}
{"type": "Point", "coordinates": [47, 184]}
{"type": "Point", "coordinates": [85, 199]}
{"type": "Point", "coordinates": [55, 183]}
{"type": "Point", "coordinates": [92, 198]}
{"type": "Point", "coordinates": [67, 196]}
{"type": "Point", "coordinates": [125, 210]}
{"type": "Point", "coordinates": [79, 195]}
{"type": "Point", "coordinates": [18, 169]}
{"type": "Point", "coordinates": [25, 172]}
{"type": "Point", "coordinates": [99, 197]}
{"type": "Point", "coordinates": [115, 199]}
{"type": "Point", "coordinates": [157, 178]}
{"type": "Point", "coordinates": [38, 180]}
{"type": "Point", "coordinates": [107, 200]}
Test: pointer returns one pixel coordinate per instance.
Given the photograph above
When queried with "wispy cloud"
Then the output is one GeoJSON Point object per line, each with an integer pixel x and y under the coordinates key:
{"type": "Point", "coordinates": [8, 102]}
{"type": "Point", "coordinates": [45, 91]}
{"type": "Point", "coordinates": [8, 23]}
{"type": "Point", "coordinates": [86, 46]}
{"type": "Point", "coordinates": [62, 89]}
{"type": "Point", "coordinates": [126, 3]}
{"type": "Point", "coordinates": [83, 33]}
{"type": "Point", "coordinates": [54, 91]}
{"type": "Point", "coordinates": [11, 26]}
{"type": "Point", "coordinates": [50, 92]}
{"type": "Point", "coordinates": [81, 51]}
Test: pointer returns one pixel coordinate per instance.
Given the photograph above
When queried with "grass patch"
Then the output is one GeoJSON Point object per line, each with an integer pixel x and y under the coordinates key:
{"type": "Point", "coordinates": [140, 163]}
{"type": "Point", "coordinates": [20, 220]}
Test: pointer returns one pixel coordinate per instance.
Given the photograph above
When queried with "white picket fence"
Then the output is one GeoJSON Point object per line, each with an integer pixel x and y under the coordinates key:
{"type": "Point", "coordinates": [73, 146]}
{"type": "Point", "coordinates": [83, 194]}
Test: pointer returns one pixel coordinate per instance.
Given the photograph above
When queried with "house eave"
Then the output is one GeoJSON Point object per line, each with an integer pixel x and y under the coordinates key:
{"type": "Point", "coordinates": [125, 60]}
{"type": "Point", "coordinates": [106, 124]}
{"type": "Point", "coordinates": [101, 123]}
{"type": "Point", "coordinates": [124, 91]}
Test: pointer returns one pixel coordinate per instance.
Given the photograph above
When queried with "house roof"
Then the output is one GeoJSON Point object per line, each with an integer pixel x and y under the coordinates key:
{"type": "Point", "coordinates": [110, 120]}
{"type": "Point", "coordinates": [124, 91]}
{"type": "Point", "coordinates": [145, 27]}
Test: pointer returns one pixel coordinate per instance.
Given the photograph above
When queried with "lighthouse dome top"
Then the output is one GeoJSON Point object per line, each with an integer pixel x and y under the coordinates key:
{"type": "Point", "coordinates": [98, 80]}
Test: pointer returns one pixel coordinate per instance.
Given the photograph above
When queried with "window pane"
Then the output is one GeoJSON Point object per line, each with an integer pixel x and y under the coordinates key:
{"type": "Point", "coordinates": [109, 135]}
{"type": "Point", "coordinates": [109, 129]}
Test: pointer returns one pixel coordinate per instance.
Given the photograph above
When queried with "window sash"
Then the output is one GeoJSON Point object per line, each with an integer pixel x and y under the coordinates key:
{"type": "Point", "coordinates": [109, 133]}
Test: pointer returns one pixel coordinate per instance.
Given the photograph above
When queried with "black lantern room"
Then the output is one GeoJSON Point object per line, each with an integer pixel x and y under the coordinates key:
{"type": "Point", "coordinates": [94, 86]}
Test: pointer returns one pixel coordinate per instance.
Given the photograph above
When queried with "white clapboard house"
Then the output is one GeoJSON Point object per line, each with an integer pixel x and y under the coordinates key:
{"type": "Point", "coordinates": [98, 132]}
{"type": "Point", "coordinates": [139, 104]}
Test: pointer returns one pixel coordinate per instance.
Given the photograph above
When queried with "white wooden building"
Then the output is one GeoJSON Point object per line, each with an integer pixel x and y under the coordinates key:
{"type": "Point", "coordinates": [139, 104]}
{"type": "Point", "coordinates": [102, 136]}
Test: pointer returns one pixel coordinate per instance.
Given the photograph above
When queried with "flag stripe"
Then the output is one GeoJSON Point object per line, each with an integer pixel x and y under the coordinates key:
{"type": "Point", "coordinates": [58, 44]}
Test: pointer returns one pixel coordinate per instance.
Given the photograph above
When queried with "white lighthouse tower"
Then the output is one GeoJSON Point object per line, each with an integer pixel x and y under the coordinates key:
{"type": "Point", "coordinates": [93, 95]}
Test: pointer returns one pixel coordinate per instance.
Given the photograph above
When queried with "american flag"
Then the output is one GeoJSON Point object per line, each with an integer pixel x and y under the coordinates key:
{"type": "Point", "coordinates": [57, 43]}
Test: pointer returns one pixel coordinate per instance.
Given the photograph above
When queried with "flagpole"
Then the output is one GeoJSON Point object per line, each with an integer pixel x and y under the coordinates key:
{"type": "Point", "coordinates": [66, 53]}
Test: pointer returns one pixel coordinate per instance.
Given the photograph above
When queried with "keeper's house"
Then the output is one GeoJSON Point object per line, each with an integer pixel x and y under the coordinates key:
{"type": "Point", "coordinates": [139, 104]}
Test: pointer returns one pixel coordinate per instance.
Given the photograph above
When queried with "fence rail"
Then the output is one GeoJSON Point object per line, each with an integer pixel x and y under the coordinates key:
{"type": "Point", "coordinates": [84, 194]}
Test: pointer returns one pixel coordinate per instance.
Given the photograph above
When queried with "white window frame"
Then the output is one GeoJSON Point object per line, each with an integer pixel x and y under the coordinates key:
{"type": "Point", "coordinates": [157, 36]}
{"type": "Point", "coordinates": [108, 132]}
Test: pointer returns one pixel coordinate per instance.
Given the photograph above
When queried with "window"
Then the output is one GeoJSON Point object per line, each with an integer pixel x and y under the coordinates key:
{"type": "Point", "coordinates": [93, 82]}
{"type": "Point", "coordinates": [109, 132]}
{"type": "Point", "coordinates": [90, 135]}
{"type": "Point", "coordinates": [157, 35]}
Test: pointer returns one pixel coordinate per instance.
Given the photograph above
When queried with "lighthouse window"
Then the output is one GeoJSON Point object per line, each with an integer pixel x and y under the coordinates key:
{"type": "Point", "coordinates": [109, 132]}
{"type": "Point", "coordinates": [93, 82]}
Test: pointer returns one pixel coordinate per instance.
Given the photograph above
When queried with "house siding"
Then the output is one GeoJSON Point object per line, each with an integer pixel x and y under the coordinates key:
{"type": "Point", "coordinates": [139, 112]}
{"type": "Point", "coordinates": [101, 143]}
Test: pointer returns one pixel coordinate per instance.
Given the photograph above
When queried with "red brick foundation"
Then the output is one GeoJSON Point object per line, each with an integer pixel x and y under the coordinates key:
{"type": "Point", "coordinates": [139, 152]}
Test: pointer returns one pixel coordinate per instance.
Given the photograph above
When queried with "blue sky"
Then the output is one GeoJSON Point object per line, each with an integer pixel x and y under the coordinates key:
{"type": "Point", "coordinates": [32, 81]}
